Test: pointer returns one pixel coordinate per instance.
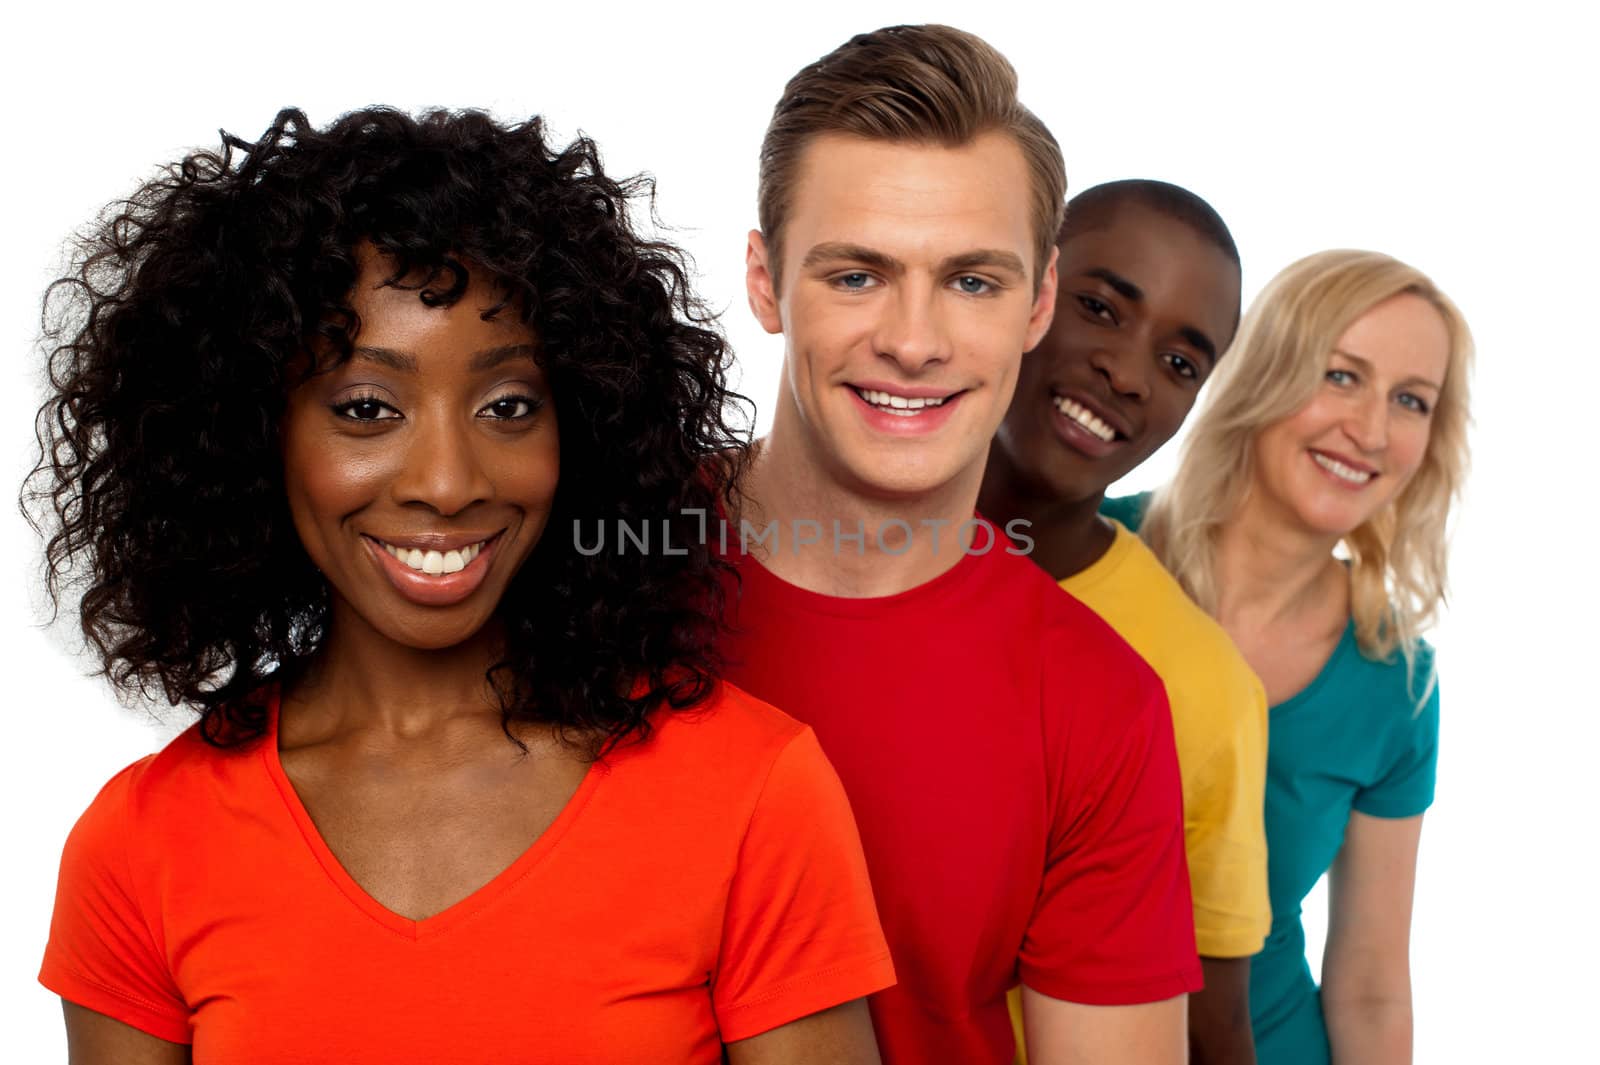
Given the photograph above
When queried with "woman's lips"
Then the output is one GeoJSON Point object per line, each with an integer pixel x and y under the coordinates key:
{"type": "Point", "coordinates": [434, 589]}
{"type": "Point", "coordinates": [1347, 474]}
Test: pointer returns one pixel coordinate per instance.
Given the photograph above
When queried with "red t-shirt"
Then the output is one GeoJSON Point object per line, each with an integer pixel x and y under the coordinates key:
{"type": "Point", "coordinates": [707, 885]}
{"type": "Point", "coordinates": [1011, 765]}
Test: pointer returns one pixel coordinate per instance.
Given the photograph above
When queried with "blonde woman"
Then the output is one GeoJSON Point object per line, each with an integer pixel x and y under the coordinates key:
{"type": "Point", "coordinates": [1338, 417]}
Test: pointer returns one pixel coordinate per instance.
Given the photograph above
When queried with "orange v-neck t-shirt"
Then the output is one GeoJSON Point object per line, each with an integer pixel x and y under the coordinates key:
{"type": "Point", "coordinates": [704, 886]}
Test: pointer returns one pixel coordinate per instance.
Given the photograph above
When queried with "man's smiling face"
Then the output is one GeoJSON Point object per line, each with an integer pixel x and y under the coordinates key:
{"type": "Point", "coordinates": [1146, 305]}
{"type": "Point", "coordinates": [908, 297]}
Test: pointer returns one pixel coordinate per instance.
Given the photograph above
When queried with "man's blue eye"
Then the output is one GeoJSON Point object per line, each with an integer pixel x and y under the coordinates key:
{"type": "Point", "coordinates": [853, 280]}
{"type": "Point", "coordinates": [973, 286]}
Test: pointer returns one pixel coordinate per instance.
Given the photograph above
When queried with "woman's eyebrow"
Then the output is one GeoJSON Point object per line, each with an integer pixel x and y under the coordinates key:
{"type": "Point", "coordinates": [487, 359]}
{"type": "Point", "coordinates": [394, 360]}
{"type": "Point", "coordinates": [1414, 379]}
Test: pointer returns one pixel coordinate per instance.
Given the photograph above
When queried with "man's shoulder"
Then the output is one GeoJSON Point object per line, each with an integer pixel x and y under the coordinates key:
{"type": "Point", "coordinates": [1072, 627]}
{"type": "Point", "coordinates": [1150, 609]}
{"type": "Point", "coordinates": [1010, 579]}
{"type": "Point", "coordinates": [1035, 612]}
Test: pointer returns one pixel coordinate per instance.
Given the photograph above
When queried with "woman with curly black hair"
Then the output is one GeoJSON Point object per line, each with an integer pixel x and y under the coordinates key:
{"type": "Point", "coordinates": [329, 410]}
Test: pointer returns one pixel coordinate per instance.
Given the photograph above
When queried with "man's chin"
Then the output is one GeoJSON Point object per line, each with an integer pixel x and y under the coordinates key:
{"type": "Point", "coordinates": [898, 477]}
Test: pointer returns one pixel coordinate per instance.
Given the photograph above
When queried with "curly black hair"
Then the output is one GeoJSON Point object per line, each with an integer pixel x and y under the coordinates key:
{"type": "Point", "coordinates": [178, 333]}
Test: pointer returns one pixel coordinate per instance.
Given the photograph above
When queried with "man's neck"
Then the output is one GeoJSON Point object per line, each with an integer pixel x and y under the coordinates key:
{"type": "Point", "coordinates": [826, 536]}
{"type": "Point", "coordinates": [1068, 535]}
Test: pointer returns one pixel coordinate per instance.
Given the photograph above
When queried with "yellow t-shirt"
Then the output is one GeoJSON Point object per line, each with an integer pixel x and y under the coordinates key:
{"type": "Point", "coordinates": [1219, 719]}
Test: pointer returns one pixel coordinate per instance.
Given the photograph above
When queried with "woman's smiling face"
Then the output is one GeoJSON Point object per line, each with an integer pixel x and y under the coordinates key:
{"type": "Point", "coordinates": [420, 472]}
{"type": "Point", "coordinates": [1347, 453]}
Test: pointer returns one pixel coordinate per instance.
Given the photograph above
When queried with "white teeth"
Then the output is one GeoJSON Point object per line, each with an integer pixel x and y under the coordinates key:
{"type": "Point", "coordinates": [435, 563]}
{"type": "Point", "coordinates": [899, 404]}
{"type": "Point", "coordinates": [1340, 470]}
{"type": "Point", "coordinates": [1086, 418]}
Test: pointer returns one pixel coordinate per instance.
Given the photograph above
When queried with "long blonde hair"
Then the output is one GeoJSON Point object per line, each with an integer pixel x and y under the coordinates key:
{"type": "Point", "coordinates": [1274, 368]}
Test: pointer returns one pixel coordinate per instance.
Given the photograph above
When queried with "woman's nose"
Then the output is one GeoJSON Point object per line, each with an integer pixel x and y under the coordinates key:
{"type": "Point", "coordinates": [441, 467]}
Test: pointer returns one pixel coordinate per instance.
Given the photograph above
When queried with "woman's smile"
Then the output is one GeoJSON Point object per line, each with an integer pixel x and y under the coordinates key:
{"type": "Point", "coordinates": [431, 576]}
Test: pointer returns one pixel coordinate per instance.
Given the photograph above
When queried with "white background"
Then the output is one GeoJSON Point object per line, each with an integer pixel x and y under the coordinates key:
{"type": "Point", "coordinates": [1460, 141]}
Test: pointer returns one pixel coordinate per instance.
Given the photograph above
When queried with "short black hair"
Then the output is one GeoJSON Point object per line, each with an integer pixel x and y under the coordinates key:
{"type": "Point", "coordinates": [176, 338]}
{"type": "Point", "coordinates": [1091, 207]}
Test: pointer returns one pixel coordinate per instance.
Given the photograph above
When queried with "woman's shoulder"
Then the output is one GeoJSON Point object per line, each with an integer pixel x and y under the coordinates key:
{"type": "Point", "coordinates": [1397, 687]}
{"type": "Point", "coordinates": [729, 752]}
{"type": "Point", "coordinates": [170, 781]}
{"type": "Point", "coordinates": [1129, 510]}
{"type": "Point", "coordinates": [1401, 724]}
{"type": "Point", "coordinates": [155, 805]}
{"type": "Point", "coordinates": [1393, 668]}
{"type": "Point", "coordinates": [729, 719]}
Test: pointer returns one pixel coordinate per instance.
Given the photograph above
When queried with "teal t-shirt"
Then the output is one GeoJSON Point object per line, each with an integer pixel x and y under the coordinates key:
{"type": "Point", "coordinates": [1353, 739]}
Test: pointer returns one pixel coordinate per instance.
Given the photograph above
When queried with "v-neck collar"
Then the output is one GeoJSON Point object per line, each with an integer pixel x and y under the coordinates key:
{"type": "Point", "coordinates": [1341, 650]}
{"type": "Point", "coordinates": [456, 912]}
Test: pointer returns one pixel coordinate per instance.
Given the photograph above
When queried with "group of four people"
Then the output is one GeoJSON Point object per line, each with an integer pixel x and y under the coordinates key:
{"type": "Point", "coordinates": [813, 761]}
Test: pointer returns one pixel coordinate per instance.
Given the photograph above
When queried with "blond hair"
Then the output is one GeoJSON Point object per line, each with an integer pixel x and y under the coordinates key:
{"type": "Point", "coordinates": [1274, 368]}
{"type": "Point", "coordinates": [918, 84]}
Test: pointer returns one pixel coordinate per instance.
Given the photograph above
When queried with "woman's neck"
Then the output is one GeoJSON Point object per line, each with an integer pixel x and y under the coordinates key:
{"type": "Point", "coordinates": [1271, 573]}
{"type": "Point", "coordinates": [364, 682]}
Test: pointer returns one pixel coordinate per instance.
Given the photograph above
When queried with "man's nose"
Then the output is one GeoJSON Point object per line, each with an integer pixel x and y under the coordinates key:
{"type": "Point", "coordinates": [1126, 374]}
{"type": "Point", "coordinates": [912, 332]}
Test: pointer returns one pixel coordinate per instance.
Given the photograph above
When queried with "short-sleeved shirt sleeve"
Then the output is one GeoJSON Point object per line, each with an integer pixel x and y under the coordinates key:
{"type": "Point", "coordinates": [802, 931]}
{"type": "Point", "coordinates": [1114, 922]}
{"type": "Point", "coordinates": [103, 953]}
{"type": "Point", "coordinates": [1227, 846]}
{"type": "Point", "coordinates": [1406, 788]}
